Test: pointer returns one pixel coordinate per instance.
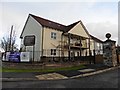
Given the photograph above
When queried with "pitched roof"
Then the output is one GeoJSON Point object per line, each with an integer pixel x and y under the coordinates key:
{"type": "Point", "coordinates": [54, 25]}
{"type": "Point", "coordinates": [71, 26]}
{"type": "Point", "coordinates": [48, 23]}
{"type": "Point", "coordinates": [96, 39]}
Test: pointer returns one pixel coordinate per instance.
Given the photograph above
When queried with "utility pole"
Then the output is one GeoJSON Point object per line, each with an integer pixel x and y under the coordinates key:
{"type": "Point", "coordinates": [10, 37]}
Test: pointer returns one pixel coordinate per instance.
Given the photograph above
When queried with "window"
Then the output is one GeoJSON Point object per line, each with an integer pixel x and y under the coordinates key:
{"type": "Point", "coordinates": [53, 35]}
{"type": "Point", "coordinates": [53, 51]}
{"type": "Point", "coordinates": [98, 45]}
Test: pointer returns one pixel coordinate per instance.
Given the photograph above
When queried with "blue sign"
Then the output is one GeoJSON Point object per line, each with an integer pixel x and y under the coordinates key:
{"type": "Point", "coordinates": [14, 57]}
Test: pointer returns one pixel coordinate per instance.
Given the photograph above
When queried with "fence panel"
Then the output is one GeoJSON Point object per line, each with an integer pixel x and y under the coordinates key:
{"type": "Point", "coordinates": [99, 58]}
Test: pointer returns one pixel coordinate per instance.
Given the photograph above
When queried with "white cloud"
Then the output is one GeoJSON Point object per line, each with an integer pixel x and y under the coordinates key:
{"type": "Point", "coordinates": [95, 19]}
{"type": "Point", "coordinates": [100, 29]}
{"type": "Point", "coordinates": [59, 0]}
{"type": "Point", "coordinates": [11, 16]}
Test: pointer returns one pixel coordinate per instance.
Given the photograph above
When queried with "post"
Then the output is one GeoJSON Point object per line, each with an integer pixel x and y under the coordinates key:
{"type": "Point", "coordinates": [80, 45]}
{"type": "Point", "coordinates": [94, 55]}
{"type": "Point", "coordinates": [69, 36]}
{"type": "Point", "coordinates": [33, 52]}
{"type": "Point", "coordinates": [42, 41]}
{"type": "Point", "coordinates": [10, 38]}
{"type": "Point", "coordinates": [109, 53]}
{"type": "Point", "coordinates": [90, 55]}
{"type": "Point", "coordinates": [89, 47]}
{"type": "Point", "coordinates": [62, 46]}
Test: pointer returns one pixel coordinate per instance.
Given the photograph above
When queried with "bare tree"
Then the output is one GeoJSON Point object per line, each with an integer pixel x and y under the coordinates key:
{"type": "Point", "coordinates": [8, 43]}
{"type": "Point", "coordinates": [5, 43]}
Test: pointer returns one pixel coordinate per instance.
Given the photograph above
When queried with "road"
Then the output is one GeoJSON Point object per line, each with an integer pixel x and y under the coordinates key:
{"type": "Point", "coordinates": [107, 79]}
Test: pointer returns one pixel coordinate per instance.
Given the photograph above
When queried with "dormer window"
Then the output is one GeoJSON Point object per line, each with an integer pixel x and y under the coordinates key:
{"type": "Point", "coordinates": [53, 35]}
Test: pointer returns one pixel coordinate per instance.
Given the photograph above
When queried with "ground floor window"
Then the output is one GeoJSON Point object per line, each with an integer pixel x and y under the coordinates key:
{"type": "Point", "coordinates": [53, 51]}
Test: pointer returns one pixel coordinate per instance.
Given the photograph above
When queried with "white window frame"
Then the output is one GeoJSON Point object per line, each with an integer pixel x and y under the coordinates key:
{"type": "Point", "coordinates": [53, 35]}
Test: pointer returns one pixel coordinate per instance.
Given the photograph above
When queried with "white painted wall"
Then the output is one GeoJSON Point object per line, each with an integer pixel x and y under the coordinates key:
{"type": "Point", "coordinates": [33, 28]}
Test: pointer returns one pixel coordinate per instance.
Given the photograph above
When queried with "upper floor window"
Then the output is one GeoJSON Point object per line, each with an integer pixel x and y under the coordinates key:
{"type": "Point", "coordinates": [53, 35]}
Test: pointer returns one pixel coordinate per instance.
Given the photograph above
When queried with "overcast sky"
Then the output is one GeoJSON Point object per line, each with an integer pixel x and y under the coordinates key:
{"type": "Point", "coordinates": [99, 16]}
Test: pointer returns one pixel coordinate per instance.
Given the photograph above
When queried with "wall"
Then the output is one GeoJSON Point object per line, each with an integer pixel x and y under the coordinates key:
{"type": "Point", "coordinates": [79, 30]}
{"type": "Point", "coordinates": [50, 43]}
{"type": "Point", "coordinates": [32, 27]}
{"type": "Point", "coordinates": [109, 55]}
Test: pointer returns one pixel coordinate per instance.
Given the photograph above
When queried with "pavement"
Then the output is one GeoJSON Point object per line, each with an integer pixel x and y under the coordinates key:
{"type": "Point", "coordinates": [91, 69]}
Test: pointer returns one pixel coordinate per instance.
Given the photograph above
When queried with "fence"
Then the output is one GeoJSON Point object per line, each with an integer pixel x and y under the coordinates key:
{"type": "Point", "coordinates": [99, 58]}
{"type": "Point", "coordinates": [82, 59]}
{"type": "Point", "coordinates": [45, 56]}
{"type": "Point", "coordinates": [35, 56]}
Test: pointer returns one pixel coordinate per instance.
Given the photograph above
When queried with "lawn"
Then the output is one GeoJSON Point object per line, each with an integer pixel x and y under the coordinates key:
{"type": "Point", "coordinates": [42, 70]}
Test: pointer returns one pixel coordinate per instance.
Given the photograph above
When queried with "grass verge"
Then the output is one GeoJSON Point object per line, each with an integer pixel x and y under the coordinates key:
{"type": "Point", "coordinates": [42, 70]}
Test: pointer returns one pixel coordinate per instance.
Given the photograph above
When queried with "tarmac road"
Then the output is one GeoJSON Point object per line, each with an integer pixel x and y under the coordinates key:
{"type": "Point", "coordinates": [109, 79]}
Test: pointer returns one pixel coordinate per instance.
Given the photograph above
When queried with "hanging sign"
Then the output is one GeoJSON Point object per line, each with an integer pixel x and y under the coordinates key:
{"type": "Point", "coordinates": [29, 40]}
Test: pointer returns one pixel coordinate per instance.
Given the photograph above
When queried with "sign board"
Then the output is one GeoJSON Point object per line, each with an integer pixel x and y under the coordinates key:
{"type": "Point", "coordinates": [29, 40]}
{"type": "Point", "coordinates": [7, 56]}
{"type": "Point", "coordinates": [25, 57]}
{"type": "Point", "coordinates": [14, 56]}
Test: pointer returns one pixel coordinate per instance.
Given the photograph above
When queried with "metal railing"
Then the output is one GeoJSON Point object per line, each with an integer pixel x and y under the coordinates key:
{"type": "Point", "coordinates": [46, 56]}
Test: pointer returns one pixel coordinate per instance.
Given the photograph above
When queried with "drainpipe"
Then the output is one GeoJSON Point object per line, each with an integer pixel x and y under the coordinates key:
{"type": "Point", "coordinates": [62, 45]}
{"type": "Point", "coordinates": [42, 40]}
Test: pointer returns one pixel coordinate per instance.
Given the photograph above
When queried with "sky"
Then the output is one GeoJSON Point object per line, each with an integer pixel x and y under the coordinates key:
{"type": "Point", "coordinates": [98, 16]}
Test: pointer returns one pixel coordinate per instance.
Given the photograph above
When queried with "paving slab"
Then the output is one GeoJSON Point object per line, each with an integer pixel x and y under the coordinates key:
{"type": "Point", "coordinates": [51, 76]}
